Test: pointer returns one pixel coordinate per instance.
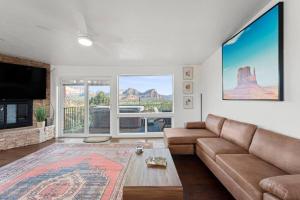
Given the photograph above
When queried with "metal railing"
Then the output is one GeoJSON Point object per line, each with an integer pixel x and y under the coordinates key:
{"type": "Point", "coordinates": [99, 118]}
{"type": "Point", "coordinates": [73, 117]}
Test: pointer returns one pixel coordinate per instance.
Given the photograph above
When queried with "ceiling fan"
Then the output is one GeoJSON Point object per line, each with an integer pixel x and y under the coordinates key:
{"type": "Point", "coordinates": [87, 37]}
{"type": "Point", "coordinates": [83, 37]}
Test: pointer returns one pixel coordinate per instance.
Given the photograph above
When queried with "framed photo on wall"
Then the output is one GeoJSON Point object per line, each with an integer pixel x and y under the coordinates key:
{"type": "Point", "coordinates": [188, 87]}
{"type": "Point", "coordinates": [188, 73]}
{"type": "Point", "coordinates": [252, 60]}
{"type": "Point", "coordinates": [188, 102]}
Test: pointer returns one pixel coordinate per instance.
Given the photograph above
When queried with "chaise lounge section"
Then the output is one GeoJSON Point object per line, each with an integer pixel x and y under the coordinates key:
{"type": "Point", "coordinates": [182, 140]}
{"type": "Point", "coordinates": [252, 163]}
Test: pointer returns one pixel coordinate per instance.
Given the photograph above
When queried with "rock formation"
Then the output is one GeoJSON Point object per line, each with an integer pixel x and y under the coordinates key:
{"type": "Point", "coordinates": [248, 87]}
{"type": "Point", "coordinates": [245, 77]}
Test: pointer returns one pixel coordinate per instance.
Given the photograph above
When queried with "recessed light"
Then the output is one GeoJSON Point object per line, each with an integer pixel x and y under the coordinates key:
{"type": "Point", "coordinates": [84, 40]}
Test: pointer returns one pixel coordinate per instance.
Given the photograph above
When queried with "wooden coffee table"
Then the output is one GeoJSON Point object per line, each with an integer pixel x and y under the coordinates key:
{"type": "Point", "coordinates": [143, 183]}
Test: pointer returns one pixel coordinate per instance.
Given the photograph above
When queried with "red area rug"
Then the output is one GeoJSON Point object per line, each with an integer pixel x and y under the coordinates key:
{"type": "Point", "coordinates": [67, 171]}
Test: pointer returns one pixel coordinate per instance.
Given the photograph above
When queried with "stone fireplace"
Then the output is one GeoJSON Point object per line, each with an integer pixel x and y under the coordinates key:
{"type": "Point", "coordinates": [17, 121]}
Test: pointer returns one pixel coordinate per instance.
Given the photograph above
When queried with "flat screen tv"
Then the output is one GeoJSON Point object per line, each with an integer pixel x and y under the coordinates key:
{"type": "Point", "coordinates": [22, 82]}
{"type": "Point", "coordinates": [253, 60]}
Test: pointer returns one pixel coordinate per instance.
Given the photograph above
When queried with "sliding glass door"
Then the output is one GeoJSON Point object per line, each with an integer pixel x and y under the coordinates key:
{"type": "Point", "coordinates": [74, 108]}
{"type": "Point", "coordinates": [86, 107]}
{"type": "Point", "coordinates": [99, 108]}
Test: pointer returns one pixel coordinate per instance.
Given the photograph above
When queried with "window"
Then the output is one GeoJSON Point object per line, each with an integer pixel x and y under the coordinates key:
{"type": "Point", "coordinates": [132, 125]}
{"type": "Point", "coordinates": [158, 124]}
{"type": "Point", "coordinates": [140, 105]}
{"type": "Point", "coordinates": [145, 94]}
{"type": "Point", "coordinates": [145, 103]}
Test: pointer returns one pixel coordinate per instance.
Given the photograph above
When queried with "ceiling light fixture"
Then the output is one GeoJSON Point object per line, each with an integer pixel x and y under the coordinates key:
{"type": "Point", "coordinates": [84, 40]}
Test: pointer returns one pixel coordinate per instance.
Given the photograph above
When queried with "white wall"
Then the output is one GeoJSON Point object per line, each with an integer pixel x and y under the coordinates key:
{"type": "Point", "coordinates": [181, 115]}
{"type": "Point", "coordinates": [282, 117]}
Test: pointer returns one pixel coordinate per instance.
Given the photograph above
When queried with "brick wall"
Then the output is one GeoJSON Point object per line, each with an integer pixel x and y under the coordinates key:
{"type": "Point", "coordinates": [27, 62]}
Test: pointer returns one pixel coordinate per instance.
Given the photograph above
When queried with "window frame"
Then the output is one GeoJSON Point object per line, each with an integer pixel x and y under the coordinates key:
{"type": "Point", "coordinates": [145, 115]}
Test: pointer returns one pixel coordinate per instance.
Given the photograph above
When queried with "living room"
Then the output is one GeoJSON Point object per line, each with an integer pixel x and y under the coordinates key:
{"type": "Point", "coordinates": [149, 100]}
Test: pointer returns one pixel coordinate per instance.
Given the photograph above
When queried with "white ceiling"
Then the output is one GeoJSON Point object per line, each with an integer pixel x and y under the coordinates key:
{"type": "Point", "coordinates": [126, 32]}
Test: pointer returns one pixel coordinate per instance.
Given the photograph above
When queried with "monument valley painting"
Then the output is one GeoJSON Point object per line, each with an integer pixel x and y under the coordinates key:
{"type": "Point", "coordinates": [252, 60]}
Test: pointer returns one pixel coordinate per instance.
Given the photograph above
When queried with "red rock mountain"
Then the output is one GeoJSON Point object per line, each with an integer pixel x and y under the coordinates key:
{"type": "Point", "coordinates": [133, 94]}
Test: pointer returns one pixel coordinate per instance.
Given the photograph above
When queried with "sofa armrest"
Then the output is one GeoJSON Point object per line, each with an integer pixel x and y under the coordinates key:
{"type": "Point", "coordinates": [285, 187]}
{"type": "Point", "coordinates": [194, 125]}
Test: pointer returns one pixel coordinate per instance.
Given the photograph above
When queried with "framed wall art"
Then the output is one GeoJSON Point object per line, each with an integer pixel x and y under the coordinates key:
{"type": "Point", "coordinates": [188, 73]}
{"type": "Point", "coordinates": [188, 102]}
{"type": "Point", "coordinates": [252, 60]}
{"type": "Point", "coordinates": [188, 87]}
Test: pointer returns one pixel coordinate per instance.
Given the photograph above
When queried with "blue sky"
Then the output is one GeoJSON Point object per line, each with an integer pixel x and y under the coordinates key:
{"type": "Point", "coordinates": [163, 84]}
{"type": "Point", "coordinates": [97, 88]}
{"type": "Point", "coordinates": [256, 46]}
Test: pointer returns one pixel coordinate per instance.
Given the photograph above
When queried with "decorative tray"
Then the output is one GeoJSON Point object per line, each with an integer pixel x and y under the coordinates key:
{"type": "Point", "coordinates": [156, 162]}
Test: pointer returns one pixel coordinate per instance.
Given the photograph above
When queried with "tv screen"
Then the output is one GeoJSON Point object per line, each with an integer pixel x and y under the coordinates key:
{"type": "Point", "coordinates": [253, 60]}
{"type": "Point", "coordinates": [22, 82]}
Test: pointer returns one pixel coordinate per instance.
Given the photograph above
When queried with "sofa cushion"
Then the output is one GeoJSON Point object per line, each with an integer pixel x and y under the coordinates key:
{"type": "Point", "coordinates": [185, 136]}
{"type": "Point", "coordinates": [194, 125]}
{"type": "Point", "coordinates": [285, 187]}
{"type": "Point", "coordinates": [247, 170]}
{"type": "Point", "coordinates": [239, 133]}
{"type": "Point", "coordinates": [214, 123]}
{"type": "Point", "coordinates": [279, 150]}
{"type": "Point", "coordinates": [214, 146]}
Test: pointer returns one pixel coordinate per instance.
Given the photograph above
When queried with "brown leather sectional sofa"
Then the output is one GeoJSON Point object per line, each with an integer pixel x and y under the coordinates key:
{"type": "Point", "coordinates": [252, 163]}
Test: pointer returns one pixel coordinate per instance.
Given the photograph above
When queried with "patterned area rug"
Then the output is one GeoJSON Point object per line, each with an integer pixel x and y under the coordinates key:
{"type": "Point", "coordinates": [67, 171]}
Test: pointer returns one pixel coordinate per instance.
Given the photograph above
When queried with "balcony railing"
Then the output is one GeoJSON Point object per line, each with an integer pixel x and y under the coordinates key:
{"type": "Point", "coordinates": [74, 119]}
{"type": "Point", "coordinates": [99, 120]}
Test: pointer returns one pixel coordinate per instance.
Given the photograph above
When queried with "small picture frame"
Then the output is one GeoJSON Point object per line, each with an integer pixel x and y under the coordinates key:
{"type": "Point", "coordinates": [188, 87]}
{"type": "Point", "coordinates": [188, 73]}
{"type": "Point", "coordinates": [188, 102]}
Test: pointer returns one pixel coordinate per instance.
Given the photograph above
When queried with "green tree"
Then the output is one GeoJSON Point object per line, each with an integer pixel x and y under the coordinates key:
{"type": "Point", "coordinates": [100, 99]}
